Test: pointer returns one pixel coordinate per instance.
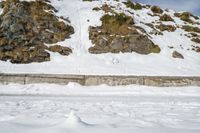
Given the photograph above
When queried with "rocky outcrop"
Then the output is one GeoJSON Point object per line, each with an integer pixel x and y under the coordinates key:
{"type": "Point", "coordinates": [163, 27]}
{"type": "Point", "coordinates": [135, 6]}
{"type": "Point", "coordinates": [25, 28]}
{"type": "Point", "coordinates": [186, 16]}
{"type": "Point", "coordinates": [118, 34]}
{"type": "Point", "coordinates": [196, 39]}
{"type": "Point", "coordinates": [166, 17]}
{"type": "Point", "coordinates": [193, 33]}
{"type": "Point", "coordinates": [156, 10]}
{"type": "Point", "coordinates": [176, 54]}
{"type": "Point", "coordinates": [60, 49]}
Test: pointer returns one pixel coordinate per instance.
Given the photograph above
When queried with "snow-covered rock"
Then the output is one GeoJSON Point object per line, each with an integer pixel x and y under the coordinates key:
{"type": "Point", "coordinates": [82, 16]}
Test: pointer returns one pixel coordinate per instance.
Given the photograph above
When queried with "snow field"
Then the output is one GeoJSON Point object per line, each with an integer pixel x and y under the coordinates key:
{"type": "Point", "coordinates": [39, 108]}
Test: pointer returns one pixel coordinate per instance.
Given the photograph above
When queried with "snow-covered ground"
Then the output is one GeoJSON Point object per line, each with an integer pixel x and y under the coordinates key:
{"type": "Point", "coordinates": [40, 108]}
{"type": "Point", "coordinates": [81, 62]}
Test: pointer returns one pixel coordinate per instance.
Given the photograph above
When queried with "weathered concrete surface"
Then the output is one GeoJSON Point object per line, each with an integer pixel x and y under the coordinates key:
{"type": "Point", "coordinates": [5, 79]}
{"type": "Point", "coordinates": [88, 80]}
{"type": "Point", "coordinates": [54, 79]}
{"type": "Point", "coordinates": [172, 81]}
{"type": "Point", "coordinates": [113, 80]}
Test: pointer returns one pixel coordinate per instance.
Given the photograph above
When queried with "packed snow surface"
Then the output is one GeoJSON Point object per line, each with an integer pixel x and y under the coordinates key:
{"type": "Point", "coordinates": [72, 108]}
{"type": "Point", "coordinates": [81, 61]}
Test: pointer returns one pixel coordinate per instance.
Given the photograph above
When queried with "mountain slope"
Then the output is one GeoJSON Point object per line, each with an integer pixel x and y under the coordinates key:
{"type": "Point", "coordinates": [155, 24]}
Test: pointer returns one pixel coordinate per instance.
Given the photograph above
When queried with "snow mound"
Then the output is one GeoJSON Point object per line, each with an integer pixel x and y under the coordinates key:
{"type": "Point", "coordinates": [74, 121]}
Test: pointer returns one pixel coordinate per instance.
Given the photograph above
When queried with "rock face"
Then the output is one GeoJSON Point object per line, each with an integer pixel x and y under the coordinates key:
{"type": "Point", "coordinates": [163, 27]}
{"type": "Point", "coordinates": [25, 28]}
{"type": "Point", "coordinates": [186, 16]}
{"type": "Point", "coordinates": [60, 49]}
{"type": "Point", "coordinates": [156, 9]}
{"type": "Point", "coordinates": [118, 34]}
{"type": "Point", "coordinates": [176, 54]}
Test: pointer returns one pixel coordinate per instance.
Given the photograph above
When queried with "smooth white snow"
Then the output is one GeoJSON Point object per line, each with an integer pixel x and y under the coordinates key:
{"type": "Point", "coordinates": [72, 108]}
{"type": "Point", "coordinates": [74, 89]}
{"type": "Point", "coordinates": [81, 62]}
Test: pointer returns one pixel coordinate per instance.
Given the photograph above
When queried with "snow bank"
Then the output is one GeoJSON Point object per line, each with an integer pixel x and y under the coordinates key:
{"type": "Point", "coordinates": [74, 89]}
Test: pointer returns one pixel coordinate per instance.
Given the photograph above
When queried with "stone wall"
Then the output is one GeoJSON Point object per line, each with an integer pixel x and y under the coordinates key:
{"type": "Point", "coordinates": [89, 80]}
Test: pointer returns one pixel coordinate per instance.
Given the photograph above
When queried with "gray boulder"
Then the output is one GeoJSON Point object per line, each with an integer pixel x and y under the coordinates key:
{"type": "Point", "coordinates": [176, 54]}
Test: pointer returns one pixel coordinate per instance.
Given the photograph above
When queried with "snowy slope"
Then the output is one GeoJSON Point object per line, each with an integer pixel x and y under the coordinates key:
{"type": "Point", "coordinates": [99, 109]}
{"type": "Point", "coordinates": [82, 62]}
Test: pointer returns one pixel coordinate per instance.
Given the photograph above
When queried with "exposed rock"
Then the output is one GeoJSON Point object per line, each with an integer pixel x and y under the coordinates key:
{"type": "Point", "coordinates": [118, 34]}
{"type": "Point", "coordinates": [96, 9]}
{"type": "Point", "coordinates": [186, 16]}
{"type": "Point", "coordinates": [141, 44]}
{"type": "Point", "coordinates": [2, 4]}
{"type": "Point", "coordinates": [198, 50]}
{"type": "Point", "coordinates": [194, 34]}
{"type": "Point", "coordinates": [163, 27]}
{"type": "Point", "coordinates": [117, 44]}
{"type": "Point", "coordinates": [60, 49]}
{"type": "Point", "coordinates": [166, 17]}
{"type": "Point", "coordinates": [154, 30]}
{"type": "Point", "coordinates": [135, 6]}
{"type": "Point", "coordinates": [189, 28]}
{"type": "Point", "coordinates": [25, 27]}
{"type": "Point", "coordinates": [25, 55]}
{"type": "Point", "coordinates": [156, 9]}
{"type": "Point", "coordinates": [150, 25]}
{"type": "Point", "coordinates": [176, 54]}
{"type": "Point", "coordinates": [106, 8]}
{"type": "Point", "coordinates": [196, 39]}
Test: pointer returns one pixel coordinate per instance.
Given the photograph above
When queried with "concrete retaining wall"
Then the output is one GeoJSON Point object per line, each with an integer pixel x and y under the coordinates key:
{"type": "Point", "coordinates": [88, 80]}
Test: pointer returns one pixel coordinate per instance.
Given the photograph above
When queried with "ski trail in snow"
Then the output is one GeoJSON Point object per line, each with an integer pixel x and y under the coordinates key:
{"type": "Point", "coordinates": [79, 45]}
